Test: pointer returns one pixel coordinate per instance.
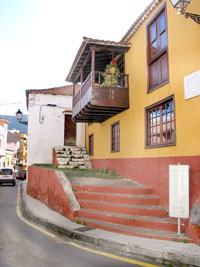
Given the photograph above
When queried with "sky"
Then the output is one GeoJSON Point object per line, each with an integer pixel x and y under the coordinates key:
{"type": "Point", "coordinates": [40, 38]}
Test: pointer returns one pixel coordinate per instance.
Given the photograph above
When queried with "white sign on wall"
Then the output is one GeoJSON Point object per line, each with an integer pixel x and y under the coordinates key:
{"type": "Point", "coordinates": [192, 85]}
{"type": "Point", "coordinates": [179, 191]}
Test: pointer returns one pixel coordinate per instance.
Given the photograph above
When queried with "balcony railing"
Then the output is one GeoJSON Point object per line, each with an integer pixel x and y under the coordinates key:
{"type": "Point", "coordinates": [99, 94]}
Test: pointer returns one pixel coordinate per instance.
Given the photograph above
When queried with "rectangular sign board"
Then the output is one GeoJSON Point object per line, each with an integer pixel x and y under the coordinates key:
{"type": "Point", "coordinates": [179, 191]}
{"type": "Point", "coordinates": [192, 85]}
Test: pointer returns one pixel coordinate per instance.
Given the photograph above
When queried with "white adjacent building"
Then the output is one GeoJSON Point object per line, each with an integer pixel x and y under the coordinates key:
{"type": "Point", "coordinates": [50, 124]}
{"type": "Point", "coordinates": [3, 141]}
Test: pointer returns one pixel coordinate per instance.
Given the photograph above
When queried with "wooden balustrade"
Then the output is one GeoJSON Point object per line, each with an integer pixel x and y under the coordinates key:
{"type": "Point", "coordinates": [109, 95]}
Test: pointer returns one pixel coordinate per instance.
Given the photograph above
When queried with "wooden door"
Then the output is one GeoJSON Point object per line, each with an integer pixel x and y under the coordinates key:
{"type": "Point", "coordinates": [70, 131]}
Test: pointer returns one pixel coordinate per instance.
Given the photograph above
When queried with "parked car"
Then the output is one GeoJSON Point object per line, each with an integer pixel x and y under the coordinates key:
{"type": "Point", "coordinates": [21, 175]}
{"type": "Point", "coordinates": [7, 175]}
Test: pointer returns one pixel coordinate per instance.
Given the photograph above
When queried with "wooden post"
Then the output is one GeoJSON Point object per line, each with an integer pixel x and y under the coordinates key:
{"type": "Point", "coordinates": [81, 76]}
{"type": "Point", "coordinates": [93, 68]}
{"type": "Point", "coordinates": [73, 89]}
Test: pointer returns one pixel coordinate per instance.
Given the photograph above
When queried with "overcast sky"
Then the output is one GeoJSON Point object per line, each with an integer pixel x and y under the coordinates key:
{"type": "Point", "coordinates": [40, 38]}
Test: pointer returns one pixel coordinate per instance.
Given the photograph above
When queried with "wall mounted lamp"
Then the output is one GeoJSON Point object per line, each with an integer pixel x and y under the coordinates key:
{"type": "Point", "coordinates": [19, 115]}
{"type": "Point", "coordinates": [181, 6]}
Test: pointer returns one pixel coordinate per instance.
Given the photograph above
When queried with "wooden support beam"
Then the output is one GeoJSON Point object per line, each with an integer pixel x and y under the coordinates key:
{"type": "Point", "coordinates": [81, 76]}
{"type": "Point", "coordinates": [93, 69]}
{"type": "Point", "coordinates": [73, 89]}
{"type": "Point", "coordinates": [82, 65]}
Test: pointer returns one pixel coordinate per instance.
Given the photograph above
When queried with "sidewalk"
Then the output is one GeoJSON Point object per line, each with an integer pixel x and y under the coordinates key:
{"type": "Point", "coordinates": [142, 248]}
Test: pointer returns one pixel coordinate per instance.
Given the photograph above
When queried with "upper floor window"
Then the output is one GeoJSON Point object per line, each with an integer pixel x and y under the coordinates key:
{"type": "Point", "coordinates": [157, 54]}
{"type": "Point", "coordinates": [160, 123]}
{"type": "Point", "coordinates": [115, 141]}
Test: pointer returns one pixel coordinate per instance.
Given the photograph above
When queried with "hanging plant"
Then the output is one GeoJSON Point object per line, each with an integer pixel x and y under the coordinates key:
{"type": "Point", "coordinates": [111, 74]}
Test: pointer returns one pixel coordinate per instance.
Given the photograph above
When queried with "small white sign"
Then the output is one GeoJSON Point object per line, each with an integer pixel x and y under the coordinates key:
{"type": "Point", "coordinates": [192, 85]}
{"type": "Point", "coordinates": [179, 191]}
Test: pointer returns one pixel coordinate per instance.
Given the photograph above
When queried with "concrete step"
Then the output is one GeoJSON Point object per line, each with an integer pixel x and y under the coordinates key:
{"type": "Point", "coordinates": [62, 166]}
{"type": "Point", "coordinates": [119, 198]}
{"type": "Point", "coordinates": [141, 210]}
{"type": "Point", "coordinates": [114, 190]}
{"type": "Point", "coordinates": [72, 157]}
{"type": "Point", "coordinates": [155, 223]}
{"type": "Point", "coordinates": [63, 160]}
{"type": "Point", "coordinates": [134, 231]}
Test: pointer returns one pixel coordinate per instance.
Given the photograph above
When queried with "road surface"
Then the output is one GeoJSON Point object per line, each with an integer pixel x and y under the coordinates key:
{"type": "Point", "coordinates": [23, 246]}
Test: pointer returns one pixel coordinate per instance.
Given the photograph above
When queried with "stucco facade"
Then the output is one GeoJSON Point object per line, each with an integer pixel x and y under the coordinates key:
{"type": "Point", "coordinates": [145, 164]}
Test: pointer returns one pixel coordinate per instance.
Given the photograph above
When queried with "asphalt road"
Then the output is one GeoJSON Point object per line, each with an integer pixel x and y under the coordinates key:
{"type": "Point", "coordinates": [24, 246]}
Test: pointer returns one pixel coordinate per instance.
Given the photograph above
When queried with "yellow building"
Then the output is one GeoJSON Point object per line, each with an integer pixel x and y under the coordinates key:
{"type": "Point", "coordinates": [23, 152]}
{"type": "Point", "coordinates": [149, 118]}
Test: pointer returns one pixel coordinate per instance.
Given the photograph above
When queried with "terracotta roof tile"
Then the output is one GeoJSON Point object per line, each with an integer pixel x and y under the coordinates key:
{"type": "Point", "coordinates": [62, 90]}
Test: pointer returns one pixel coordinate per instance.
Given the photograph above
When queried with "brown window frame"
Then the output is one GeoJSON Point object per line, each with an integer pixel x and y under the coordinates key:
{"type": "Point", "coordinates": [115, 137]}
{"type": "Point", "coordinates": [91, 144]}
{"type": "Point", "coordinates": [162, 127]}
{"type": "Point", "coordinates": [157, 63]}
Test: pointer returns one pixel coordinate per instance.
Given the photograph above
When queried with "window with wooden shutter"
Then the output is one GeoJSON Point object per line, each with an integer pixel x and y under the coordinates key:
{"type": "Point", "coordinates": [157, 53]}
{"type": "Point", "coordinates": [91, 144]}
{"type": "Point", "coordinates": [115, 139]}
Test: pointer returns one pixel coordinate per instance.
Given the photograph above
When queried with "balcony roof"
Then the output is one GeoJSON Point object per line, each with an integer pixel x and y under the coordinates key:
{"type": "Point", "coordinates": [105, 50]}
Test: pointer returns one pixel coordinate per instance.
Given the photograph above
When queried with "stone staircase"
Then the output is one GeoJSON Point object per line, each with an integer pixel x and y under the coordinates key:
{"type": "Point", "coordinates": [127, 210]}
{"type": "Point", "coordinates": [72, 157]}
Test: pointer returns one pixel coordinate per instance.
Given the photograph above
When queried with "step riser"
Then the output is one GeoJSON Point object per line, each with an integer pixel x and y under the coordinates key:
{"type": "Point", "coordinates": [124, 210]}
{"type": "Point", "coordinates": [171, 227]}
{"type": "Point", "coordinates": [118, 199]}
{"type": "Point", "coordinates": [94, 225]}
{"type": "Point", "coordinates": [114, 190]}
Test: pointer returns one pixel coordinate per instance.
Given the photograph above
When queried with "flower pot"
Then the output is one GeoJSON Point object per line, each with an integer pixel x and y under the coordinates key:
{"type": "Point", "coordinates": [112, 70]}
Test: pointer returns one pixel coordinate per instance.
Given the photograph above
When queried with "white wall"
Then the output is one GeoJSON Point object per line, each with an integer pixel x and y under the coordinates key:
{"type": "Point", "coordinates": [3, 138]}
{"type": "Point", "coordinates": [42, 137]}
{"type": "Point", "coordinates": [80, 134]}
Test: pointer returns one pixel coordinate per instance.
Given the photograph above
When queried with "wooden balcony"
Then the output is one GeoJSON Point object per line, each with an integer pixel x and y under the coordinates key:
{"type": "Point", "coordinates": [97, 101]}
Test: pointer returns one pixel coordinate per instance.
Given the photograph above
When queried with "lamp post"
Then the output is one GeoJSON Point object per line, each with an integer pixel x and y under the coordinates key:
{"type": "Point", "coordinates": [19, 115]}
{"type": "Point", "coordinates": [181, 6]}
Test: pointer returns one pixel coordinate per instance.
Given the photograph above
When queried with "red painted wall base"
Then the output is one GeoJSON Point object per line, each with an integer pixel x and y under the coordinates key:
{"type": "Point", "coordinates": [154, 172]}
{"type": "Point", "coordinates": [44, 185]}
{"type": "Point", "coordinates": [55, 162]}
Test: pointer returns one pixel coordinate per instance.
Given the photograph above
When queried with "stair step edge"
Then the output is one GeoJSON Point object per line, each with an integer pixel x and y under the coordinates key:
{"type": "Point", "coordinates": [123, 205]}
{"type": "Point", "coordinates": [145, 231]}
{"type": "Point", "coordinates": [129, 217]}
{"type": "Point", "coordinates": [118, 195]}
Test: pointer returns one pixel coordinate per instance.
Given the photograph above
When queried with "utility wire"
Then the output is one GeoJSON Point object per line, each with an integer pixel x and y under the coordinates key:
{"type": "Point", "coordinates": [7, 103]}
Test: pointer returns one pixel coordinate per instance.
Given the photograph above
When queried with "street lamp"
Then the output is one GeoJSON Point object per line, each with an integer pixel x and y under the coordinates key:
{"type": "Point", "coordinates": [181, 6]}
{"type": "Point", "coordinates": [19, 115]}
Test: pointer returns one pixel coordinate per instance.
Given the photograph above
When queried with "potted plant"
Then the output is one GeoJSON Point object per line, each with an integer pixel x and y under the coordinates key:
{"type": "Point", "coordinates": [111, 74]}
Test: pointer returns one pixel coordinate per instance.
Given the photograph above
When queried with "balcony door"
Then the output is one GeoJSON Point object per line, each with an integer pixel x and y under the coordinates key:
{"type": "Point", "coordinates": [70, 131]}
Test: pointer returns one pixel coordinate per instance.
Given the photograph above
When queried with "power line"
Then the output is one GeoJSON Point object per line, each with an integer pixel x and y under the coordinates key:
{"type": "Point", "coordinates": [7, 103]}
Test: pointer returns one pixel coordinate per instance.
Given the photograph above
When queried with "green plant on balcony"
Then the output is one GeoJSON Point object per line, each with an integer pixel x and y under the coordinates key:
{"type": "Point", "coordinates": [111, 74]}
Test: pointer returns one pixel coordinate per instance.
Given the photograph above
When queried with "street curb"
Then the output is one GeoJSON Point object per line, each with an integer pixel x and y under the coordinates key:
{"type": "Point", "coordinates": [124, 249]}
